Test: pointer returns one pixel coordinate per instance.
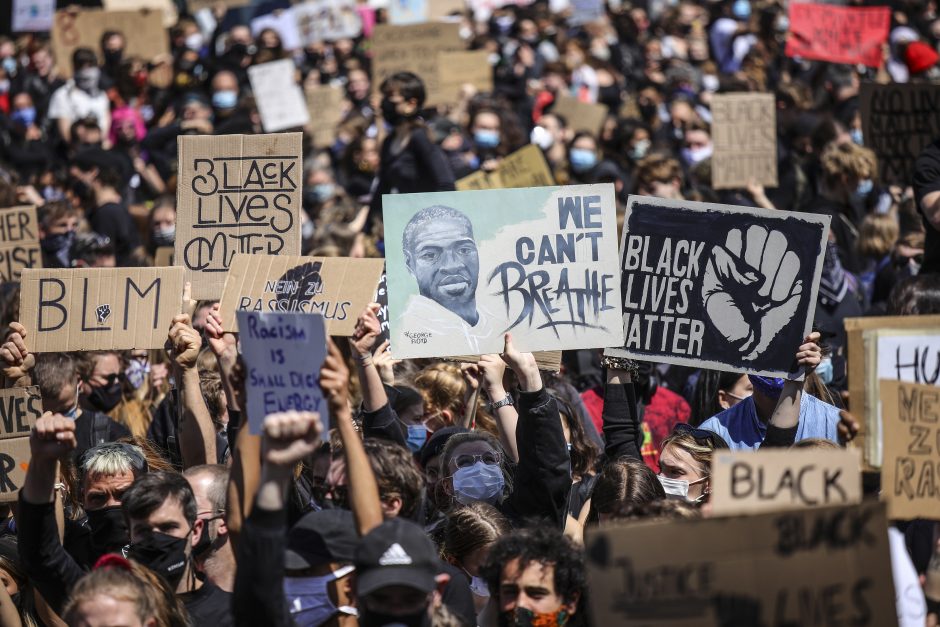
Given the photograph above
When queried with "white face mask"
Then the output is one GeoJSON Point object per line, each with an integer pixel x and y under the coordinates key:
{"type": "Point", "coordinates": [679, 488]}
{"type": "Point", "coordinates": [309, 601]}
{"type": "Point", "coordinates": [541, 137]}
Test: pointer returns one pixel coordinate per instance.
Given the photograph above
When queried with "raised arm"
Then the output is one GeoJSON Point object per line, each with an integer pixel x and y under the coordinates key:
{"type": "Point", "coordinates": [17, 360]}
{"type": "Point", "coordinates": [379, 420]}
{"type": "Point", "coordinates": [246, 465]}
{"type": "Point", "coordinates": [196, 431]}
{"type": "Point", "coordinates": [492, 371]}
{"type": "Point", "coordinates": [225, 347]}
{"type": "Point", "coordinates": [623, 435]}
{"type": "Point", "coordinates": [781, 430]}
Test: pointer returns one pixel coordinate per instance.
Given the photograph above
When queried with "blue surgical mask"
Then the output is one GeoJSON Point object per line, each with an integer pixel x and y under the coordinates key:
{"type": "Point", "coordinates": [582, 159]}
{"type": "Point", "coordinates": [857, 137]}
{"type": "Point", "coordinates": [9, 64]}
{"type": "Point", "coordinates": [741, 9]}
{"type": "Point", "coordinates": [323, 192]}
{"type": "Point", "coordinates": [26, 117]}
{"type": "Point", "coordinates": [417, 436]}
{"type": "Point", "coordinates": [308, 599]}
{"type": "Point", "coordinates": [771, 387]}
{"type": "Point", "coordinates": [480, 482]}
{"type": "Point", "coordinates": [486, 138]}
{"type": "Point", "coordinates": [864, 188]}
{"type": "Point", "coordinates": [225, 99]}
{"type": "Point", "coordinates": [640, 149]}
{"type": "Point", "coordinates": [824, 370]}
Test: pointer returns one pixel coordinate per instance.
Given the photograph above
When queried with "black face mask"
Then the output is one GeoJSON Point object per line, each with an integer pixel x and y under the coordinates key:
{"type": "Point", "coordinates": [204, 546]}
{"type": "Point", "coordinates": [648, 111]}
{"type": "Point", "coordinates": [108, 529]}
{"type": "Point", "coordinates": [105, 399]}
{"type": "Point", "coordinates": [83, 190]}
{"type": "Point", "coordinates": [369, 618]}
{"type": "Point", "coordinates": [390, 112]}
{"type": "Point", "coordinates": [163, 554]}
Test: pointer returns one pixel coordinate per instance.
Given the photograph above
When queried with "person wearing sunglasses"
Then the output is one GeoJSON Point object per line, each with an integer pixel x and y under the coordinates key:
{"type": "Point", "coordinates": [685, 462]}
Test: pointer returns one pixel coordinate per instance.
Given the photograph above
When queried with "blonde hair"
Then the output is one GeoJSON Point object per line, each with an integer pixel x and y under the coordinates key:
{"type": "Point", "coordinates": [701, 453]}
{"type": "Point", "coordinates": [442, 387]}
{"type": "Point", "coordinates": [657, 168]}
{"type": "Point", "coordinates": [849, 160]}
{"type": "Point", "coordinates": [878, 234]}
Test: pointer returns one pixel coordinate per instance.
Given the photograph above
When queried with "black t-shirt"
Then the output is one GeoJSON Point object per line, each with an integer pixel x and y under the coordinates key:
{"type": "Point", "coordinates": [209, 605]}
{"type": "Point", "coordinates": [113, 220]}
{"type": "Point", "coordinates": [927, 180]}
{"type": "Point", "coordinates": [85, 432]}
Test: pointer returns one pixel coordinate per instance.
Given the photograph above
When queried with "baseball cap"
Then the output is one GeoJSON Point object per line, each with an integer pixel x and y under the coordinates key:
{"type": "Point", "coordinates": [396, 553]}
{"type": "Point", "coordinates": [323, 537]}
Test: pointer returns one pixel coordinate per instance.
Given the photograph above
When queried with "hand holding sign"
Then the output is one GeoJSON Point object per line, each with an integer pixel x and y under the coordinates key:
{"type": "Point", "coordinates": [334, 379]}
{"type": "Point", "coordinates": [290, 436]}
{"type": "Point", "coordinates": [223, 345]}
{"type": "Point", "coordinates": [183, 343]}
{"type": "Point", "coordinates": [750, 289]}
{"type": "Point", "coordinates": [52, 438]}
{"type": "Point", "coordinates": [17, 360]}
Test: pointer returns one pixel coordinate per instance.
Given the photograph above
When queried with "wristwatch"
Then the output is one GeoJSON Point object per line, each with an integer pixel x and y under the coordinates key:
{"type": "Point", "coordinates": [507, 400]}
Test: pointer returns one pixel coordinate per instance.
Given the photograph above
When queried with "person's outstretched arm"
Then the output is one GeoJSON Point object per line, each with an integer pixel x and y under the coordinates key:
{"type": "Point", "coordinates": [196, 430]}
{"type": "Point", "coordinates": [379, 420]}
{"type": "Point", "coordinates": [623, 435]}
{"type": "Point", "coordinates": [781, 430]}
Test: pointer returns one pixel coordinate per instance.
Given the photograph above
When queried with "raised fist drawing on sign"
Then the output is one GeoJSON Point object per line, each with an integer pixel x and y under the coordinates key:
{"type": "Point", "coordinates": [102, 312]}
{"type": "Point", "coordinates": [750, 288]}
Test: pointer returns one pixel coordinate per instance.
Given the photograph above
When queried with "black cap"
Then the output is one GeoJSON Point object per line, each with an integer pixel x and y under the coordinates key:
{"type": "Point", "coordinates": [436, 442]}
{"type": "Point", "coordinates": [325, 537]}
{"type": "Point", "coordinates": [396, 553]}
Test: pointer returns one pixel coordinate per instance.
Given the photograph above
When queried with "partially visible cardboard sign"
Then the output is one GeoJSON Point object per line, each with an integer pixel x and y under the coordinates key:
{"type": "Point", "coordinates": [745, 482]}
{"type": "Point", "coordinates": [744, 134]}
{"type": "Point", "coordinates": [283, 353]}
{"type": "Point", "coordinates": [548, 361]}
{"type": "Point", "coordinates": [143, 31]}
{"type": "Point", "coordinates": [32, 16]}
{"type": "Point", "coordinates": [819, 566]}
{"type": "Point", "coordinates": [459, 68]}
{"type": "Point", "coordinates": [719, 286]}
{"type": "Point", "coordinates": [838, 34]}
{"type": "Point", "coordinates": [280, 100]}
{"type": "Point", "coordinates": [14, 460]}
{"type": "Point", "coordinates": [337, 288]}
{"type": "Point", "coordinates": [163, 256]}
{"type": "Point", "coordinates": [581, 116]}
{"type": "Point", "coordinates": [586, 11]}
{"type": "Point", "coordinates": [898, 122]}
{"type": "Point", "coordinates": [99, 308]}
{"type": "Point", "coordinates": [284, 22]}
{"type": "Point", "coordinates": [198, 5]}
{"type": "Point", "coordinates": [20, 408]}
{"type": "Point", "coordinates": [236, 194]}
{"type": "Point", "coordinates": [910, 474]}
{"type": "Point", "coordinates": [327, 20]}
{"type": "Point", "coordinates": [19, 242]}
{"type": "Point", "coordinates": [525, 167]}
{"type": "Point", "coordinates": [415, 48]}
{"type": "Point", "coordinates": [325, 109]}
{"type": "Point", "coordinates": [166, 7]}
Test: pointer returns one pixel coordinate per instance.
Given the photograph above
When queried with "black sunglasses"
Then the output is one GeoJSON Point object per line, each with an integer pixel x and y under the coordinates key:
{"type": "Point", "coordinates": [701, 435]}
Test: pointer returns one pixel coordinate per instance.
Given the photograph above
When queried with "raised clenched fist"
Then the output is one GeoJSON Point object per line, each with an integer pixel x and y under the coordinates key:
{"type": "Point", "coordinates": [102, 313]}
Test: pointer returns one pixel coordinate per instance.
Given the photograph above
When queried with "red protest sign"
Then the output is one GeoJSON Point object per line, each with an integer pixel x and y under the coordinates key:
{"type": "Point", "coordinates": [827, 32]}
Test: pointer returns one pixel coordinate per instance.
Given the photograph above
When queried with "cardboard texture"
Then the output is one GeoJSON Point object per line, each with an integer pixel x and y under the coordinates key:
{"type": "Point", "coordinates": [197, 5]}
{"type": "Point", "coordinates": [163, 256]}
{"type": "Point", "coordinates": [19, 410]}
{"type": "Point", "coordinates": [863, 367]}
{"type": "Point", "coordinates": [898, 123]}
{"type": "Point", "coordinates": [549, 361]}
{"type": "Point", "coordinates": [782, 568]}
{"type": "Point", "coordinates": [525, 167]}
{"type": "Point", "coordinates": [146, 37]}
{"type": "Point", "coordinates": [283, 353]}
{"type": "Point", "coordinates": [718, 286]}
{"type": "Point", "coordinates": [838, 34]}
{"type": "Point", "coordinates": [325, 108]}
{"type": "Point", "coordinates": [338, 288]}
{"type": "Point", "coordinates": [456, 69]}
{"type": "Point", "coordinates": [747, 482]}
{"type": "Point", "coordinates": [280, 100]}
{"type": "Point", "coordinates": [236, 194]}
{"type": "Point", "coordinates": [14, 460]}
{"type": "Point", "coordinates": [467, 270]}
{"type": "Point", "coordinates": [744, 133]}
{"type": "Point", "coordinates": [32, 16]}
{"type": "Point", "coordinates": [438, 9]}
{"type": "Point", "coordinates": [415, 48]}
{"type": "Point", "coordinates": [166, 7]}
{"type": "Point", "coordinates": [910, 480]}
{"type": "Point", "coordinates": [327, 20]}
{"type": "Point", "coordinates": [19, 242]}
{"type": "Point", "coordinates": [581, 116]}
{"type": "Point", "coordinates": [99, 308]}
{"type": "Point", "coordinates": [586, 11]}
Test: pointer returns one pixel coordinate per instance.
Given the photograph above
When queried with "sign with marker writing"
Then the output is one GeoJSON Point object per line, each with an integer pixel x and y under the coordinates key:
{"type": "Point", "coordinates": [14, 460]}
{"type": "Point", "coordinates": [280, 100]}
{"type": "Point", "coordinates": [415, 48]}
{"type": "Point", "coordinates": [337, 288]}
{"type": "Point", "coordinates": [775, 568]}
{"type": "Point", "coordinates": [910, 475]}
{"type": "Point", "coordinates": [838, 34]}
{"type": "Point", "coordinates": [325, 110]}
{"type": "Point", "coordinates": [327, 20]}
{"type": "Point", "coordinates": [745, 482]}
{"type": "Point", "coordinates": [283, 353]}
{"type": "Point", "coordinates": [99, 308]}
{"type": "Point", "coordinates": [32, 16]}
{"type": "Point", "coordinates": [467, 270]}
{"type": "Point", "coordinates": [19, 242]}
{"type": "Point", "coordinates": [143, 32]}
{"type": "Point", "coordinates": [744, 133]}
{"type": "Point", "coordinates": [898, 122]}
{"type": "Point", "coordinates": [718, 286]}
{"type": "Point", "coordinates": [19, 410]}
{"type": "Point", "coordinates": [236, 194]}
{"type": "Point", "coordinates": [525, 167]}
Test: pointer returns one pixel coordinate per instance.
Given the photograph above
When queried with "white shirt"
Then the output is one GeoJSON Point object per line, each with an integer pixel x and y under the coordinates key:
{"type": "Point", "coordinates": [71, 103]}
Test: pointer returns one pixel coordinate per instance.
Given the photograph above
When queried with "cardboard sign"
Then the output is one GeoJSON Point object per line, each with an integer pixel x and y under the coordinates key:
{"type": "Point", "coordinates": [20, 408]}
{"type": "Point", "coordinates": [279, 98]}
{"type": "Point", "coordinates": [282, 21]}
{"type": "Point", "coordinates": [163, 256]}
{"type": "Point", "coordinates": [744, 133]}
{"type": "Point", "coordinates": [745, 482]}
{"type": "Point", "coordinates": [337, 288]}
{"type": "Point", "coordinates": [283, 353]}
{"type": "Point", "coordinates": [236, 194]}
{"type": "Point", "coordinates": [581, 116]}
{"type": "Point", "coordinates": [32, 16]}
{"type": "Point", "coordinates": [19, 242]}
{"type": "Point", "coordinates": [327, 20]}
{"type": "Point", "coordinates": [440, 9]}
{"type": "Point", "coordinates": [456, 69]}
{"type": "Point", "coordinates": [14, 460]}
{"type": "Point", "coordinates": [548, 361]}
{"type": "Point", "coordinates": [820, 566]}
{"type": "Point", "coordinates": [828, 32]}
{"type": "Point", "coordinates": [99, 308]}
{"type": "Point", "coordinates": [143, 30]}
{"type": "Point", "coordinates": [525, 167]}
{"type": "Point", "coordinates": [198, 5]}
{"type": "Point", "coordinates": [898, 122]}
{"type": "Point", "coordinates": [717, 286]}
{"type": "Point", "coordinates": [325, 109]}
{"type": "Point", "coordinates": [415, 48]}
{"type": "Point", "coordinates": [467, 270]}
{"type": "Point", "coordinates": [586, 11]}
{"type": "Point", "coordinates": [166, 7]}
{"type": "Point", "coordinates": [910, 475]}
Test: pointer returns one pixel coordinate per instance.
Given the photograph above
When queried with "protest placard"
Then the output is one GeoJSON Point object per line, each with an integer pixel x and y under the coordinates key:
{"type": "Point", "coordinates": [586, 11]}
{"type": "Point", "coordinates": [163, 256]}
{"type": "Point", "coordinates": [325, 109]}
{"type": "Point", "coordinates": [32, 16]}
{"type": "Point", "coordinates": [337, 288]}
{"type": "Point", "coordinates": [898, 122]}
{"type": "Point", "coordinates": [910, 475]}
{"type": "Point", "coordinates": [746, 482]}
{"type": "Point", "coordinates": [19, 410]}
{"type": "Point", "coordinates": [327, 20]}
{"type": "Point", "coordinates": [284, 22]}
{"type": "Point", "coordinates": [236, 194]}
{"type": "Point", "coordinates": [838, 34]}
{"type": "Point", "coordinates": [548, 361]}
{"type": "Point", "coordinates": [462, 67]}
{"type": "Point", "coordinates": [166, 7]}
{"type": "Point", "coordinates": [143, 31]}
{"type": "Point", "coordinates": [439, 9]}
{"type": "Point", "coordinates": [467, 270]}
{"type": "Point", "coordinates": [198, 5]}
{"type": "Point", "coordinates": [819, 566]}
{"type": "Point", "coordinates": [525, 167]}
{"type": "Point", "coordinates": [403, 12]}
{"type": "Point", "coordinates": [414, 48]}
{"type": "Point", "coordinates": [718, 286]}
{"type": "Point", "coordinates": [588, 117]}
{"type": "Point", "coordinates": [744, 134]}
{"type": "Point", "coordinates": [280, 101]}
{"type": "Point", "coordinates": [99, 308]}
{"type": "Point", "coordinates": [14, 460]}
{"type": "Point", "coordinates": [19, 242]}
{"type": "Point", "coordinates": [283, 353]}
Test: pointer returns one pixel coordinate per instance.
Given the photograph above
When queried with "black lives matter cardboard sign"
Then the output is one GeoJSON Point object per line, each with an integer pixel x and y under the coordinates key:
{"type": "Point", "coordinates": [718, 286]}
{"type": "Point", "coordinates": [744, 133]}
{"type": "Point", "coordinates": [19, 410]}
{"type": "Point", "coordinates": [236, 194]}
{"type": "Point", "coordinates": [99, 308]}
{"type": "Point", "coordinates": [19, 242]}
{"type": "Point", "coordinates": [781, 568]}
{"type": "Point", "coordinates": [337, 288]}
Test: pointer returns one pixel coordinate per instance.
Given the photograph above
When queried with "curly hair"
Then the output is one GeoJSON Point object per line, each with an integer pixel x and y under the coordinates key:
{"type": "Point", "coordinates": [396, 474]}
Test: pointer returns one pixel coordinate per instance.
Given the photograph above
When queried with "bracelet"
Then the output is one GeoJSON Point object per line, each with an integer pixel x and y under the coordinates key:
{"type": "Point", "coordinates": [506, 400]}
{"type": "Point", "coordinates": [621, 363]}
